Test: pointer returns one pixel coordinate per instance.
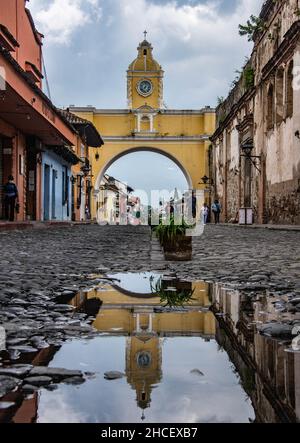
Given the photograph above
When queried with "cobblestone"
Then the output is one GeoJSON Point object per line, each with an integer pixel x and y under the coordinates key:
{"type": "Point", "coordinates": [38, 266]}
{"type": "Point", "coordinates": [50, 262]}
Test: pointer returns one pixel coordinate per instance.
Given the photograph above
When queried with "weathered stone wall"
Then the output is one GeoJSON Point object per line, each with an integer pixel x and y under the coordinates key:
{"type": "Point", "coordinates": [283, 202]}
{"type": "Point", "coordinates": [233, 204]}
{"type": "Point", "coordinates": [277, 25]}
{"type": "Point", "coordinates": [275, 181]}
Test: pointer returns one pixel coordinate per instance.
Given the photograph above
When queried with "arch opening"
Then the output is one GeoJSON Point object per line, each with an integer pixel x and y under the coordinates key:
{"type": "Point", "coordinates": [143, 149]}
{"type": "Point", "coordinates": [139, 185]}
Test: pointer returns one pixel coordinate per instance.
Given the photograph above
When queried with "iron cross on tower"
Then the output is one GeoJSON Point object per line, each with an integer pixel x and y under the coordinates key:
{"type": "Point", "coordinates": [145, 34]}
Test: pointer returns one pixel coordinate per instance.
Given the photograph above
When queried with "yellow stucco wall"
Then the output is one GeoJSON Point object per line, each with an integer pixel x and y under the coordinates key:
{"type": "Point", "coordinates": [122, 320]}
{"type": "Point", "coordinates": [114, 296]}
{"type": "Point", "coordinates": [191, 155]}
{"type": "Point", "coordinates": [123, 125]}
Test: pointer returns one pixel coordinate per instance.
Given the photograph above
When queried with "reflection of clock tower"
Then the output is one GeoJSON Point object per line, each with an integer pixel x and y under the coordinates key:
{"type": "Point", "coordinates": [145, 87]}
{"type": "Point", "coordinates": [143, 358]}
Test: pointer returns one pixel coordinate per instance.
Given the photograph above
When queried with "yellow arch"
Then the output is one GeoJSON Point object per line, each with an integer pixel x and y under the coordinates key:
{"type": "Point", "coordinates": [124, 152]}
{"type": "Point", "coordinates": [180, 135]}
{"type": "Point", "coordinates": [189, 155]}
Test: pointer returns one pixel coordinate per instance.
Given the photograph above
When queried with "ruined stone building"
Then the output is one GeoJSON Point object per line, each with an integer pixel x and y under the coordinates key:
{"type": "Point", "coordinates": [257, 140]}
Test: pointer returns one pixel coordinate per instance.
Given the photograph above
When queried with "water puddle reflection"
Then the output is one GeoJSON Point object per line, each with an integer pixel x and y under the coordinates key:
{"type": "Point", "coordinates": [173, 351]}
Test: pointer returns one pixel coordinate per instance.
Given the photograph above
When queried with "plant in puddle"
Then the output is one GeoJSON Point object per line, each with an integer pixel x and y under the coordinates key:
{"type": "Point", "coordinates": [171, 297]}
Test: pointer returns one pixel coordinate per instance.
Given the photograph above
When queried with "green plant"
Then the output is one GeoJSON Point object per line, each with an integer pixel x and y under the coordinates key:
{"type": "Point", "coordinates": [220, 100]}
{"type": "Point", "coordinates": [170, 232]}
{"type": "Point", "coordinates": [249, 77]}
{"type": "Point", "coordinates": [171, 298]}
{"type": "Point", "coordinates": [253, 25]}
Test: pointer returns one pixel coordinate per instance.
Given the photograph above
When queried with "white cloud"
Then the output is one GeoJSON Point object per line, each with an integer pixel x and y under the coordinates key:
{"type": "Point", "coordinates": [197, 24]}
{"type": "Point", "coordinates": [197, 44]}
{"type": "Point", "coordinates": [60, 19]}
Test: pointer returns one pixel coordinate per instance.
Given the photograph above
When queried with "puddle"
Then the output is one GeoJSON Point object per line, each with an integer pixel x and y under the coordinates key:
{"type": "Point", "coordinates": [186, 352]}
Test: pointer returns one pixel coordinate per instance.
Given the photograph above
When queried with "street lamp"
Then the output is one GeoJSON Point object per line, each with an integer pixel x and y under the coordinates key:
{"type": "Point", "coordinates": [206, 181]}
{"type": "Point", "coordinates": [247, 149]}
{"type": "Point", "coordinates": [86, 169]}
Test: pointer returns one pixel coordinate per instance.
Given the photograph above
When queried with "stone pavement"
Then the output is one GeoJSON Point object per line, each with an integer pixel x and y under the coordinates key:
{"type": "Point", "coordinates": [261, 257]}
{"type": "Point", "coordinates": [37, 266]}
{"type": "Point", "coordinates": [50, 259]}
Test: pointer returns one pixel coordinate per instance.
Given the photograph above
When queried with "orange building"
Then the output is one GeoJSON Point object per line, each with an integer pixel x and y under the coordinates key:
{"type": "Point", "coordinates": [35, 136]}
{"type": "Point", "coordinates": [81, 180]}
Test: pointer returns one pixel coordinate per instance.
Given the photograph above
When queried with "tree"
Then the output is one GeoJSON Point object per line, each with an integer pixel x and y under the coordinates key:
{"type": "Point", "coordinates": [254, 24]}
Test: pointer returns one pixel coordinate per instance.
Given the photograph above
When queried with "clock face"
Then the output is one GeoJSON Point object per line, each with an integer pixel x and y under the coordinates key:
{"type": "Point", "coordinates": [145, 87]}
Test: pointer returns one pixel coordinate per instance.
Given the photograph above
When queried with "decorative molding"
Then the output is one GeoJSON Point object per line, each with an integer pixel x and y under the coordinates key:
{"type": "Point", "coordinates": [145, 137]}
{"type": "Point", "coordinates": [129, 93]}
{"type": "Point", "coordinates": [168, 112]}
{"type": "Point", "coordinates": [161, 93]}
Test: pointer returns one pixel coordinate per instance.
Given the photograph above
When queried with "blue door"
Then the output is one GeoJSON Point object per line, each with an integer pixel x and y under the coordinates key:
{"type": "Point", "coordinates": [54, 175]}
{"type": "Point", "coordinates": [47, 193]}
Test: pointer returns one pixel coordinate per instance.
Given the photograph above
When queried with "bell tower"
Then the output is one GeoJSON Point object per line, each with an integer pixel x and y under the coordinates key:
{"type": "Point", "coordinates": [145, 79]}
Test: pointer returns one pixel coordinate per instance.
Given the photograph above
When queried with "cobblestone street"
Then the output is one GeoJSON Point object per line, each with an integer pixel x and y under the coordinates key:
{"type": "Point", "coordinates": [48, 260]}
{"type": "Point", "coordinates": [44, 310]}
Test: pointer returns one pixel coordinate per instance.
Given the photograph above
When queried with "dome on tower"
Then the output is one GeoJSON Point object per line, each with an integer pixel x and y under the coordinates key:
{"type": "Point", "coordinates": [145, 61]}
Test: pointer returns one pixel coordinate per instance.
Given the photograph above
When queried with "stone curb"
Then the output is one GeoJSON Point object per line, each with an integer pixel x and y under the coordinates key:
{"type": "Point", "coordinates": [22, 226]}
{"type": "Point", "coordinates": [269, 227]}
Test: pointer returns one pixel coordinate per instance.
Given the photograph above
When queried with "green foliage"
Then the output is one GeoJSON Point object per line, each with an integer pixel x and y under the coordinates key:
{"type": "Point", "coordinates": [172, 298]}
{"type": "Point", "coordinates": [222, 118]}
{"type": "Point", "coordinates": [253, 25]}
{"type": "Point", "coordinates": [169, 233]}
{"type": "Point", "coordinates": [220, 100]}
{"type": "Point", "coordinates": [249, 77]}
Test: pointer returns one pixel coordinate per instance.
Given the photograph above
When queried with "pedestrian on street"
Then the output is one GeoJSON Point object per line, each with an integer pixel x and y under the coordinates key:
{"type": "Point", "coordinates": [216, 209]}
{"type": "Point", "coordinates": [11, 197]}
{"type": "Point", "coordinates": [205, 213]}
{"type": "Point", "coordinates": [194, 205]}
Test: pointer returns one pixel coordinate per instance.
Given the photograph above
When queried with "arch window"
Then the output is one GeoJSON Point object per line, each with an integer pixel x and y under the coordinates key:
{"type": "Point", "coordinates": [145, 124]}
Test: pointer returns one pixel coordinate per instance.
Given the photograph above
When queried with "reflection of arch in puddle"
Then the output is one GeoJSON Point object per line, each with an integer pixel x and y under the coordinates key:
{"type": "Point", "coordinates": [133, 294]}
{"type": "Point", "coordinates": [136, 285]}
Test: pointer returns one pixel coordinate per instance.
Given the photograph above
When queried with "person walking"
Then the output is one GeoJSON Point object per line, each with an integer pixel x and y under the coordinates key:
{"type": "Point", "coordinates": [205, 213]}
{"type": "Point", "coordinates": [216, 209]}
{"type": "Point", "coordinates": [11, 197]}
{"type": "Point", "coordinates": [194, 205]}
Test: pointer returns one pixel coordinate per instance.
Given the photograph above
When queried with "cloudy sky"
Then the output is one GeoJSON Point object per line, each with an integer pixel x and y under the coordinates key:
{"type": "Point", "coordinates": [89, 45]}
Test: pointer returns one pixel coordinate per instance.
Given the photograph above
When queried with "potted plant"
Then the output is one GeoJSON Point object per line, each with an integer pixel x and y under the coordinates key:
{"type": "Point", "coordinates": [177, 246]}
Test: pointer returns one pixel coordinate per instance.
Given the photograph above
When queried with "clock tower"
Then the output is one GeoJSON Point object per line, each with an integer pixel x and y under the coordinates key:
{"type": "Point", "coordinates": [145, 80]}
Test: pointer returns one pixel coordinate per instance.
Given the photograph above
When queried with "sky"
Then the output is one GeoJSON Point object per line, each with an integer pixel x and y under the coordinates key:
{"type": "Point", "coordinates": [89, 45]}
{"type": "Point", "coordinates": [148, 171]}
